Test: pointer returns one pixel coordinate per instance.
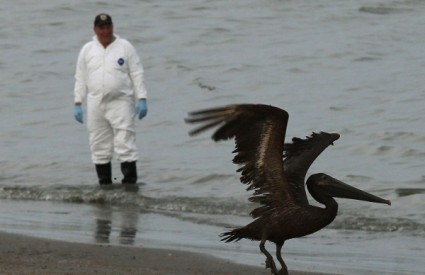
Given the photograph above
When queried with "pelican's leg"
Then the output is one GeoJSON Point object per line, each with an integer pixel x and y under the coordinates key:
{"type": "Point", "coordinates": [284, 270]}
{"type": "Point", "coordinates": [269, 262]}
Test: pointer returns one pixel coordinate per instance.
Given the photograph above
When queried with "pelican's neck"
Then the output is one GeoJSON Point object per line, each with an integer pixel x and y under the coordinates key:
{"type": "Point", "coordinates": [331, 208]}
{"type": "Point", "coordinates": [321, 217]}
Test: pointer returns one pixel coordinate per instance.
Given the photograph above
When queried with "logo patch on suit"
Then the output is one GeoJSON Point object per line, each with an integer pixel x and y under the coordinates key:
{"type": "Point", "coordinates": [121, 61]}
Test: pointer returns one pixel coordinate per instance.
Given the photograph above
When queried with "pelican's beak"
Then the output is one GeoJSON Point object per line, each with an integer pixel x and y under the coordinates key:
{"type": "Point", "coordinates": [339, 189]}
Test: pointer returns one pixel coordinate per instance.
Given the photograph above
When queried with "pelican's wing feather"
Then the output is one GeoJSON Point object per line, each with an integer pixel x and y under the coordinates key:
{"type": "Point", "coordinates": [299, 155]}
{"type": "Point", "coordinates": [259, 133]}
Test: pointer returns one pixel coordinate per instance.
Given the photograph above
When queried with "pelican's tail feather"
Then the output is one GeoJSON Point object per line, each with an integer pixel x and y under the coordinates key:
{"type": "Point", "coordinates": [232, 236]}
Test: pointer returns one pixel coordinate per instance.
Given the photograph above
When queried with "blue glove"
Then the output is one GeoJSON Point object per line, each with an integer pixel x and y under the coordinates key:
{"type": "Point", "coordinates": [142, 108]}
{"type": "Point", "coordinates": [78, 113]}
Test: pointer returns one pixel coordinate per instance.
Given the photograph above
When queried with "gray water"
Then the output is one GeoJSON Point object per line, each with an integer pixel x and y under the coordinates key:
{"type": "Point", "coordinates": [352, 67]}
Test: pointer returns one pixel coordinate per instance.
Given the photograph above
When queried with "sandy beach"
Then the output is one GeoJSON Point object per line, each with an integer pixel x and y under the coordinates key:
{"type": "Point", "coordinates": [29, 255]}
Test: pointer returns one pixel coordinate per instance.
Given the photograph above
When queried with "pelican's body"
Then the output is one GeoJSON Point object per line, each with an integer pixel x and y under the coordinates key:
{"type": "Point", "coordinates": [286, 225]}
{"type": "Point", "coordinates": [276, 172]}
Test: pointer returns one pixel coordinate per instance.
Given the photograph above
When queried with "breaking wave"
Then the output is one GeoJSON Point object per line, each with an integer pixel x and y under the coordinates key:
{"type": "Point", "coordinates": [187, 206]}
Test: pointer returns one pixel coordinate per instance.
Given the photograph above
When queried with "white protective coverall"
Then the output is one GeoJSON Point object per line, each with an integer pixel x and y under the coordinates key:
{"type": "Point", "coordinates": [111, 79]}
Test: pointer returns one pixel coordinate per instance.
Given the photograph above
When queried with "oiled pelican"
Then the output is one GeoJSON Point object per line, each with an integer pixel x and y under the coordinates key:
{"type": "Point", "coordinates": [276, 172]}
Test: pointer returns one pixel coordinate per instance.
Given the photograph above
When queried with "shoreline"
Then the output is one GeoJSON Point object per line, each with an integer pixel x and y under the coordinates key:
{"type": "Point", "coordinates": [32, 255]}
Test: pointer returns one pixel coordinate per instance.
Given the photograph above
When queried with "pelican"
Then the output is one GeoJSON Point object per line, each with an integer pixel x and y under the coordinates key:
{"type": "Point", "coordinates": [275, 172]}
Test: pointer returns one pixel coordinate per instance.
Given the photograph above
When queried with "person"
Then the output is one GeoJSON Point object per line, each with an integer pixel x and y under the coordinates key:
{"type": "Point", "coordinates": [109, 74]}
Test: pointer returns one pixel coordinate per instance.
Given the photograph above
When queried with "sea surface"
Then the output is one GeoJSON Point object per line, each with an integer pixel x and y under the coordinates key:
{"type": "Point", "coordinates": [355, 67]}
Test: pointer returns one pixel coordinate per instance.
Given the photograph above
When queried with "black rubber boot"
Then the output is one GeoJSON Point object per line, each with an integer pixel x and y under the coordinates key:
{"type": "Point", "coordinates": [129, 171]}
{"type": "Point", "coordinates": [104, 173]}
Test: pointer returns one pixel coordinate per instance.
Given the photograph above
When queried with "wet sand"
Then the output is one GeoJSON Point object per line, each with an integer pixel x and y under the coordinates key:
{"type": "Point", "coordinates": [28, 255]}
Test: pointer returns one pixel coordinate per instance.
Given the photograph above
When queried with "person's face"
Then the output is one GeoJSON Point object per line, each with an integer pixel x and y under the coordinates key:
{"type": "Point", "coordinates": [105, 34]}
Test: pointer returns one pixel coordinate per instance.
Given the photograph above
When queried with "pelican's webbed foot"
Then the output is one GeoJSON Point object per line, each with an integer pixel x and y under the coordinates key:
{"type": "Point", "coordinates": [269, 261]}
{"type": "Point", "coordinates": [284, 270]}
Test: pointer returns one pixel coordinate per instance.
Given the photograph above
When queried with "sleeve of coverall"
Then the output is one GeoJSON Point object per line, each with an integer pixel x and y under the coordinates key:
{"type": "Point", "coordinates": [80, 88]}
{"type": "Point", "coordinates": [136, 73]}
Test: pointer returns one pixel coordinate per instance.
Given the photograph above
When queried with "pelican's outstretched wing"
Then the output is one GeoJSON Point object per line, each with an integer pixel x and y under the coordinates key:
{"type": "Point", "coordinates": [259, 133]}
{"type": "Point", "coordinates": [299, 155]}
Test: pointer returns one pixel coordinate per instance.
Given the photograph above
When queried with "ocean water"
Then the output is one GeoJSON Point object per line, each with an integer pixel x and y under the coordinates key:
{"type": "Point", "coordinates": [353, 67]}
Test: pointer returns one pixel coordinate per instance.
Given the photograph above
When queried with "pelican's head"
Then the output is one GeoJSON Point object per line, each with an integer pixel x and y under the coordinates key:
{"type": "Point", "coordinates": [322, 187]}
